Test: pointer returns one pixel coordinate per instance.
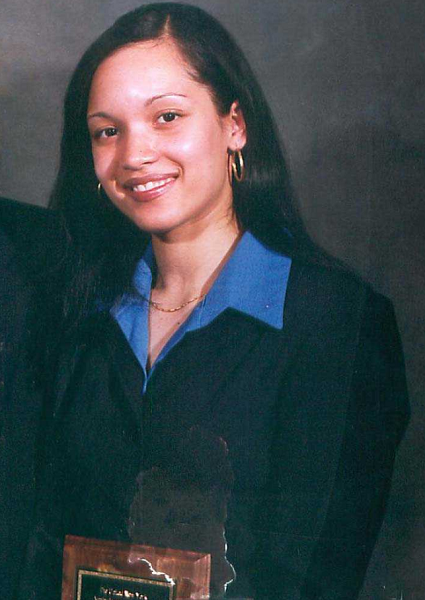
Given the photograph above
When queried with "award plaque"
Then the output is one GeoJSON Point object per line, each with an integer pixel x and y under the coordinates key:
{"type": "Point", "coordinates": [106, 570]}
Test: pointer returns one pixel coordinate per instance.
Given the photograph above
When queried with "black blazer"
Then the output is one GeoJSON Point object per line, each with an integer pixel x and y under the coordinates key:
{"type": "Point", "coordinates": [29, 238]}
{"type": "Point", "coordinates": [311, 415]}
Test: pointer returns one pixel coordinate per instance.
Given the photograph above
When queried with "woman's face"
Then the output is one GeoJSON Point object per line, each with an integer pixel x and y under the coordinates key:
{"type": "Point", "coordinates": [160, 149]}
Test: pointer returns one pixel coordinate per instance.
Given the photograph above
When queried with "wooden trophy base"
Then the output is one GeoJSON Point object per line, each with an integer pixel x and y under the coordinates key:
{"type": "Point", "coordinates": [106, 570]}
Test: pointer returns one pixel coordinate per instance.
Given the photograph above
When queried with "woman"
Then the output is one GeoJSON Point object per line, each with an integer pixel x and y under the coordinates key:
{"type": "Point", "coordinates": [216, 363]}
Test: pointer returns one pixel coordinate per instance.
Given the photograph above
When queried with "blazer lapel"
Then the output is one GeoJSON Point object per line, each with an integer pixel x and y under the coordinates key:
{"type": "Point", "coordinates": [126, 371]}
{"type": "Point", "coordinates": [195, 371]}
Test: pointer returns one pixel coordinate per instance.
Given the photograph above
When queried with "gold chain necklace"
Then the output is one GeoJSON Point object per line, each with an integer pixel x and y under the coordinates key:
{"type": "Point", "coordinates": [171, 310]}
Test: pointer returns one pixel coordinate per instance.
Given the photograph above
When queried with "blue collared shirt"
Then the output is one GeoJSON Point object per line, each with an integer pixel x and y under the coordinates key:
{"type": "Point", "coordinates": [253, 281]}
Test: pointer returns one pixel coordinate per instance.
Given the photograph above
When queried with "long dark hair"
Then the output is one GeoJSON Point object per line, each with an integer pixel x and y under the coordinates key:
{"type": "Point", "coordinates": [105, 244]}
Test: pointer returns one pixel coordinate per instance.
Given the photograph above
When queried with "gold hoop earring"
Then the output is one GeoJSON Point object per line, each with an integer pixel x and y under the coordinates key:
{"type": "Point", "coordinates": [238, 166]}
{"type": "Point", "coordinates": [99, 190]}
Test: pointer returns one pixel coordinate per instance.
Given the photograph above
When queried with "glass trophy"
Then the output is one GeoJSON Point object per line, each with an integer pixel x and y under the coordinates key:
{"type": "Point", "coordinates": [105, 570]}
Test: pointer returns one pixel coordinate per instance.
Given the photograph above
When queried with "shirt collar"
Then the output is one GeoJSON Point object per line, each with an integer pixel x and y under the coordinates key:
{"type": "Point", "coordinates": [253, 281]}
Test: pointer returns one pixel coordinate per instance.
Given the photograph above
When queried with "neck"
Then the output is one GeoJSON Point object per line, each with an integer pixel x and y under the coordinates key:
{"type": "Point", "coordinates": [188, 266]}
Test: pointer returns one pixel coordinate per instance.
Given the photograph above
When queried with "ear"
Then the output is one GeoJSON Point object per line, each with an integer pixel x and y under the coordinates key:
{"type": "Point", "coordinates": [237, 127]}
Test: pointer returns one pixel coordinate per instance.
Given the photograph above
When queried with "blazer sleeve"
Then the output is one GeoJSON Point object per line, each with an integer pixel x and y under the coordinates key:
{"type": "Point", "coordinates": [321, 533]}
{"type": "Point", "coordinates": [41, 574]}
{"type": "Point", "coordinates": [376, 419]}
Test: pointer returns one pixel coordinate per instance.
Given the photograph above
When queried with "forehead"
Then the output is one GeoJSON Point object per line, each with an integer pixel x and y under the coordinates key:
{"type": "Point", "coordinates": [146, 67]}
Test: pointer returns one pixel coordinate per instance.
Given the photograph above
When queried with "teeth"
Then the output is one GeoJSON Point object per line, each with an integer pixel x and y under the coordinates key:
{"type": "Point", "coordinates": [150, 185]}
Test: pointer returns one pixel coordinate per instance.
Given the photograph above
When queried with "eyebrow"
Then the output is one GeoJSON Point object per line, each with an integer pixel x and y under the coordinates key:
{"type": "Point", "coordinates": [148, 102]}
{"type": "Point", "coordinates": [154, 98]}
{"type": "Point", "coordinates": [98, 114]}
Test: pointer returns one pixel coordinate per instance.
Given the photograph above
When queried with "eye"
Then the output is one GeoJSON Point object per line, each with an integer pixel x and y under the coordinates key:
{"type": "Point", "coordinates": [106, 132]}
{"type": "Point", "coordinates": [168, 117]}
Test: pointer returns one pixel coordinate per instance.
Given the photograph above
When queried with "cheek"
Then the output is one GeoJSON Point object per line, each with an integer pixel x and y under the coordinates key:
{"type": "Point", "coordinates": [184, 149]}
{"type": "Point", "coordinates": [103, 162]}
{"type": "Point", "coordinates": [202, 150]}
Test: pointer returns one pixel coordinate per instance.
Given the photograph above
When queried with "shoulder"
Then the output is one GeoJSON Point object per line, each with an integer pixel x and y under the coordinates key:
{"type": "Point", "coordinates": [97, 337]}
{"type": "Point", "coordinates": [90, 357]}
{"type": "Point", "coordinates": [326, 295]}
{"type": "Point", "coordinates": [15, 215]}
{"type": "Point", "coordinates": [35, 234]}
{"type": "Point", "coordinates": [337, 308]}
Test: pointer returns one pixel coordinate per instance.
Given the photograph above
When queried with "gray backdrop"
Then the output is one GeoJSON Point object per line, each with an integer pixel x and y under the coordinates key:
{"type": "Point", "coordinates": [346, 81]}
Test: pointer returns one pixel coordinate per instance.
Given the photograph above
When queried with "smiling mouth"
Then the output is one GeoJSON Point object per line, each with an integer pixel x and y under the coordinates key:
{"type": "Point", "coordinates": [151, 185]}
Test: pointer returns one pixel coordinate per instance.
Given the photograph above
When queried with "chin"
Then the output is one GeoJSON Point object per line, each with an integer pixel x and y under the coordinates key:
{"type": "Point", "coordinates": [154, 226]}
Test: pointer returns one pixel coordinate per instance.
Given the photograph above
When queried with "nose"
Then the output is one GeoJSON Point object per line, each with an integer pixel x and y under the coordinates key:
{"type": "Point", "coordinates": [138, 150]}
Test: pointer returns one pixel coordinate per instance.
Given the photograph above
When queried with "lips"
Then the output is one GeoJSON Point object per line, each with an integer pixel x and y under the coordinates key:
{"type": "Point", "coordinates": [149, 186]}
